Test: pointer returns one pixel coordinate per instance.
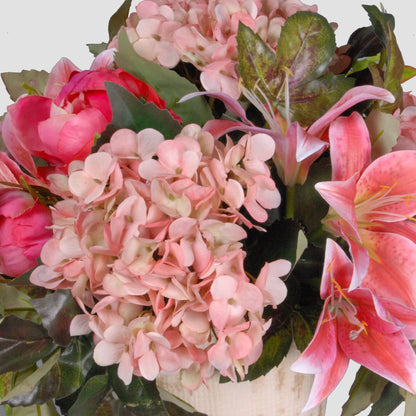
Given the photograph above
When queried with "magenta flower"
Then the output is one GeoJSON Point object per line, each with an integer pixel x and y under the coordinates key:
{"type": "Point", "coordinates": [24, 229]}
{"type": "Point", "coordinates": [61, 126]}
{"type": "Point", "coordinates": [356, 325]}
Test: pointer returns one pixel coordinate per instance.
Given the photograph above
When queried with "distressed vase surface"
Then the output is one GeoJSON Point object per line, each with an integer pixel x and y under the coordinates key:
{"type": "Point", "coordinates": [281, 392]}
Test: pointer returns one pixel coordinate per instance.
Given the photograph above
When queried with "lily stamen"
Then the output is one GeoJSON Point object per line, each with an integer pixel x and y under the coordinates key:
{"type": "Point", "coordinates": [344, 304]}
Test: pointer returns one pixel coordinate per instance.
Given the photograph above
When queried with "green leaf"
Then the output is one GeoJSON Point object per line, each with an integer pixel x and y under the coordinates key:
{"type": "Point", "coordinates": [175, 405]}
{"type": "Point", "coordinates": [142, 397]}
{"type": "Point", "coordinates": [168, 409]}
{"type": "Point", "coordinates": [97, 48]}
{"type": "Point", "coordinates": [130, 395]}
{"type": "Point", "coordinates": [275, 348]}
{"type": "Point", "coordinates": [90, 396]}
{"type": "Point", "coordinates": [68, 374]}
{"type": "Point", "coordinates": [408, 73]}
{"type": "Point", "coordinates": [362, 64]}
{"type": "Point", "coordinates": [310, 101]}
{"type": "Point", "coordinates": [302, 330]}
{"type": "Point", "coordinates": [64, 378]}
{"type": "Point", "coordinates": [13, 300]}
{"type": "Point", "coordinates": [389, 400]}
{"type": "Point", "coordinates": [47, 409]}
{"type": "Point", "coordinates": [118, 19]}
{"type": "Point", "coordinates": [297, 76]}
{"type": "Point", "coordinates": [262, 247]}
{"type": "Point", "coordinates": [138, 393]}
{"type": "Point", "coordinates": [380, 21]}
{"type": "Point", "coordinates": [167, 83]}
{"type": "Point", "coordinates": [6, 383]}
{"type": "Point", "coordinates": [306, 47]}
{"type": "Point", "coordinates": [174, 410]}
{"type": "Point", "coordinates": [56, 311]}
{"type": "Point", "coordinates": [311, 218]}
{"type": "Point", "coordinates": [131, 113]}
{"type": "Point", "coordinates": [364, 43]}
{"type": "Point", "coordinates": [30, 382]}
{"type": "Point", "coordinates": [18, 83]}
{"type": "Point", "coordinates": [366, 389]}
{"type": "Point", "coordinates": [24, 284]}
{"type": "Point", "coordinates": [392, 64]}
{"type": "Point", "coordinates": [22, 343]}
{"type": "Point", "coordinates": [256, 61]}
{"type": "Point", "coordinates": [305, 51]}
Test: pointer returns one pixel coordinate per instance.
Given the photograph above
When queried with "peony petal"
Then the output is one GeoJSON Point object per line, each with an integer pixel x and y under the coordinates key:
{"type": "Point", "coordinates": [59, 76]}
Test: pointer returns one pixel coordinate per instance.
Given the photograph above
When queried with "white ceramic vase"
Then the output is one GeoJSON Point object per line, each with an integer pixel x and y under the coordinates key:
{"type": "Point", "coordinates": [281, 392]}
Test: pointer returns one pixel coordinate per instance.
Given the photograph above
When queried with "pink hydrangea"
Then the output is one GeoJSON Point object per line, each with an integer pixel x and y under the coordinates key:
{"type": "Point", "coordinates": [150, 245]}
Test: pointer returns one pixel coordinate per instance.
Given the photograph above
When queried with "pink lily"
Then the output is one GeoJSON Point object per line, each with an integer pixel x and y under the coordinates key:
{"type": "Point", "coordinates": [356, 325]}
{"type": "Point", "coordinates": [371, 204]}
{"type": "Point", "coordinates": [297, 147]}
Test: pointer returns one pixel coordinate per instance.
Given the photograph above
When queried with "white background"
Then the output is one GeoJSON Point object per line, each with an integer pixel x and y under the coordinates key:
{"type": "Point", "coordinates": [36, 34]}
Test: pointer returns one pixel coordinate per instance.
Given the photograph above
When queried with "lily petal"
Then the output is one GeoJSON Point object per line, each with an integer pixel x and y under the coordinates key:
{"type": "Point", "coordinates": [392, 175]}
{"type": "Point", "coordinates": [392, 269]}
{"type": "Point", "coordinates": [350, 146]}
{"type": "Point", "coordinates": [389, 355]}
{"type": "Point", "coordinates": [349, 99]}
{"type": "Point", "coordinates": [321, 353]}
{"type": "Point", "coordinates": [324, 383]}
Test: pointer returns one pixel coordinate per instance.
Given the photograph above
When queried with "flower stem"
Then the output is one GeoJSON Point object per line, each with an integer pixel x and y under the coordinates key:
{"type": "Point", "coordinates": [290, 202]}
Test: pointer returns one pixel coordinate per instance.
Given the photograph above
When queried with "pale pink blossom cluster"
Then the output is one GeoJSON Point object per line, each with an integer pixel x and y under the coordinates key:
{"type": "Point", "coordinates": [148, 237]}
{"type": "Point", "coordinates": [203, 32]}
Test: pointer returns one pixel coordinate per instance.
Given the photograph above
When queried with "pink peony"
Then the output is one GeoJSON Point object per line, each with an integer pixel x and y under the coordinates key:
{"type": "Point", "coordinates": [61, 126]}
{"type": "Point", "coordinates": [23, 230]}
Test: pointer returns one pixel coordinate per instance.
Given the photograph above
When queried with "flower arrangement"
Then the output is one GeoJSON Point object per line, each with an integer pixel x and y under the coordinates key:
{"type": "Point", "coordinates": [223, 182]}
